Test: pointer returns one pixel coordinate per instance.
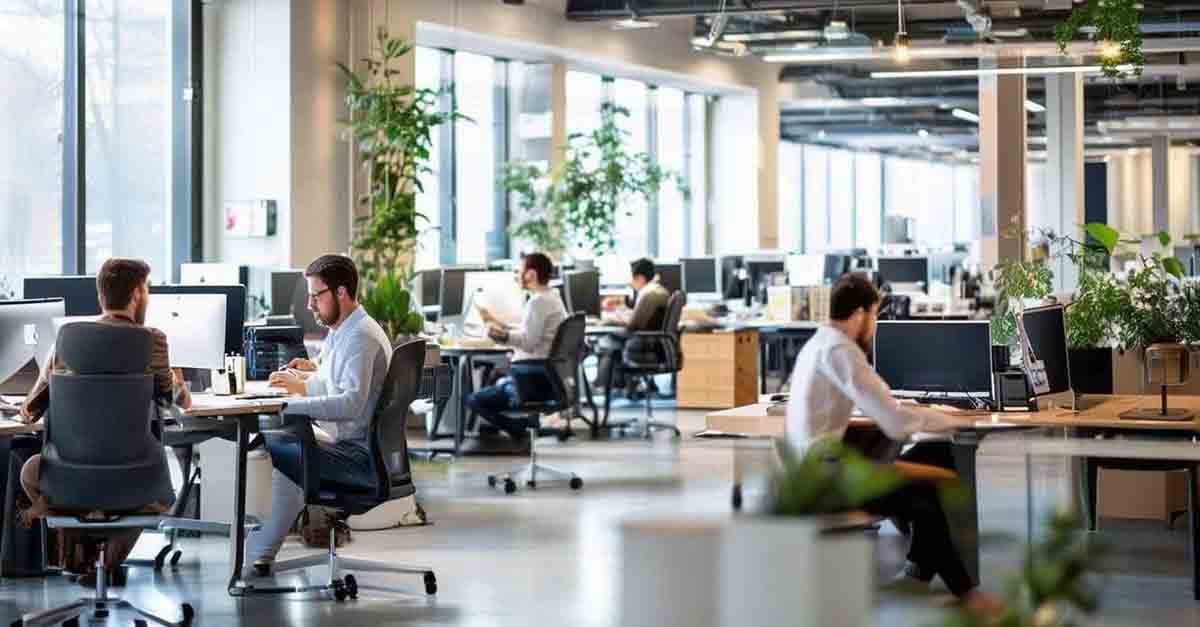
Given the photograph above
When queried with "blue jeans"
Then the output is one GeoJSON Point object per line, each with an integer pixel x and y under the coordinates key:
{"type": "Point", "coordinates": [490, 402]}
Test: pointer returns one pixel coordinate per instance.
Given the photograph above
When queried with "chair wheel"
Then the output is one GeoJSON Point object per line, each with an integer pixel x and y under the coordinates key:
{"type": "Point", "coordinates": [736, 499]}
{"type": "Point", "coordinates": [339, 591]}
{"type": "Point", "coordinates": [351, 586]}
{"type": "Point", "coordinates": [531, 484]}
{"type": "Point", "coordinates": [430, 584]}
{"type": "Point", "coordinates": [175, 558]}
{"type": "Point", "coordinates": [576, 483]}
{"type": "Point", "coordinates": [189, 614]}
{"type": "Point", "coordinates": [564, 435]}
{"type": "Point", "coordinates": [510, 486]}
{"type": "Point", "coordinates": [140, 623]}
{"type": "Point", "coordinates": [161, 558]}
{"type": "Point", "coordinates": [491, 481]}
{"type": "Point", "coordinates": [71, 622]}
{"type": "Point", "coordinates": [262, 569]}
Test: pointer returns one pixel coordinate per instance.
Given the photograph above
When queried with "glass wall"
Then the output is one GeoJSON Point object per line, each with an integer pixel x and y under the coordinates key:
{"type": "Point", "coordinates": [841, 199]}
{"type": "Point", "coordinates": [475, 155]}
{"type": "Point", "coordinates": [31, 123]}
{"type": "Point", "coordinates": [697, 170]}
{"type": "Point", "coordinates": [672, 146]}
{"type": "Point", "coordinates": [816, 198]}
{"type": "Point", "coordinates": [868, 200]}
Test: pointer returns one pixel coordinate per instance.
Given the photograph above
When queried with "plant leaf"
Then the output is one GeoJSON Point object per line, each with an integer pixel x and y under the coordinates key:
{"type": "Point", "coordinates": [1105, 234]}
{"type": "Point", "coordinates": [1164, 238]}
{"type": "Point", "coordinates": [1173, 267]}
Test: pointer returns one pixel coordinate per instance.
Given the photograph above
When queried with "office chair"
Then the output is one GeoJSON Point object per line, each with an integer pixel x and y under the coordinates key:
{"type": "Point", "coordinates": [650, 353]}
{"type": "Point", "coordinates": [103, 461]}
{"type": "Point", "coordinates": [387, 434]}
{"type": "Point", "coordinates": [547, 386]}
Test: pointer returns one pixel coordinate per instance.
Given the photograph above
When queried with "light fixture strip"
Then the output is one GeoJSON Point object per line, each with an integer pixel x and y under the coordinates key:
{"type": "Point", "coordinates": [1009, 71]}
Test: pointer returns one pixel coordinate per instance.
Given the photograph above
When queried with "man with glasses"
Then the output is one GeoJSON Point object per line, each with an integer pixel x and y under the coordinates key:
{"type": "Point", "coordinates": [338, 392]}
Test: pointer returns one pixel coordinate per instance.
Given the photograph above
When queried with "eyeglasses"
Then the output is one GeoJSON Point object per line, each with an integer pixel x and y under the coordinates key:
{"type": "Point", "coordinates": [312, 298]}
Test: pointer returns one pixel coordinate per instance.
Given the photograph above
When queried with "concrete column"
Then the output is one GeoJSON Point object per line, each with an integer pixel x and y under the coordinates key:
{"type": "Point", "coordinates": [1002, 168]}
{"type": "Point", "coordinates": [1064, 166]}
{"type": "Point", "coordinates": [558, 116]}
{"type": "Point", "coordinates": [1160, 157]}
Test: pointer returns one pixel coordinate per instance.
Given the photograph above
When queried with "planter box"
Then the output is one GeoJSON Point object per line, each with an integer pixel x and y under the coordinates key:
{"type": "Point", "coordinates": [670, 573]}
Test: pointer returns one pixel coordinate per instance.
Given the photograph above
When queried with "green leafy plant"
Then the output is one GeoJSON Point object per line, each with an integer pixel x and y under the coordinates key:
{"type": "Point", "coordinates": [392, 127]}
{"type": "Point", "coordinates": [1117, 24]}
{"type": "Point", "coordinates": [540, 224]}
{"type": "Point", "coordinates": [1094, 317]}
{"type": "Point", "coordinates": [1149, 306]}
{"type": "Point", "coordinates": [1015, 282]}
{"type": "Point", "coordinates": [1052, 589]}
{"type": "Point", "coordinates": [598, 177]}
{"type": "Point", "coordinates": [830, 477]}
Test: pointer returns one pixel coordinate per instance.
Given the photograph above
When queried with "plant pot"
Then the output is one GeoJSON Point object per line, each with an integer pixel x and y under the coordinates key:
{"type": "Point", "coordinates": [1091, 370]}
{"type": "Point", "coordinates": [670, 572]}
{"type": "Point", "coordinates": [783, 571]}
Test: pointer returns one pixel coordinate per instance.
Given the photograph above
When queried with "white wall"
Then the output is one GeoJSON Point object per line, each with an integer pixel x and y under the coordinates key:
{"type": "Point", "coordinates": [1130, 193]}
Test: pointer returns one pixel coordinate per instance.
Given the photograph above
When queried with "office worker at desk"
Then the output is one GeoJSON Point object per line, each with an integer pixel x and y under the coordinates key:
{"type": "Point", "coordinates": [831, 378]}
{"type": "Point", "coordinates": [339, 394]}
{"type": "Point", "coordinates": [649, 309]}
{"type": "Point", "coordinates": [531, 338]}
{"type": "Point", "coordinates": [124, 294]}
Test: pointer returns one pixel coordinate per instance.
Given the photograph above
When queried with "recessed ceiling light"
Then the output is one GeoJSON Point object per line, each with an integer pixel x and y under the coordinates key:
{"type": "Point", "coordinates": [965, 115]}
{"type": "Point", "coordinates": [1034, 107]}
{"type": "Point", "coordinates": [634, 23]}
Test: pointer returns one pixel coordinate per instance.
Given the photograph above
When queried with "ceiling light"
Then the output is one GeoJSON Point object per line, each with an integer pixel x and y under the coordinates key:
{"type": "Point", "coordinates": [634, 23]}
{"type": "Point", "coordinates": [922, 133]}
{"type": "Point", "coordinates": [1110, 49]}
{"type": "Point", "coordinates": [965, 115]}
{"type": "Point", "coordinates": [1034, 107]}
{"type": "Point", "coordinates": [1005, 71]}
{"type": "Point", "coordinates": [902, 42]}
{"type": "Point", "coordinates": [837, 30]}
{"type": "Point", "coordinates": [885, 101]}
{"type": "Point", "coordinates": [774, 35]}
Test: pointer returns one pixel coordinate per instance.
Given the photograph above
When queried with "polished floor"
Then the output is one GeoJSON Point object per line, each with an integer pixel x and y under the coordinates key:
{"type": "Point", "coordinates": [552, 556]}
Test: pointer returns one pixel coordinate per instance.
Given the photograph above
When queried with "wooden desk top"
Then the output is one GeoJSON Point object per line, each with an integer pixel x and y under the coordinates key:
{"type": "Point", "coordinates": [9, 427]}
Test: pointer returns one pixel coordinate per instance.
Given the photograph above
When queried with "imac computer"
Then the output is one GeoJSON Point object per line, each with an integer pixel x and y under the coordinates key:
{"type": "Point", "coordinates": [582, 289]}
{"type": "Point", "coordinates": [428, 285]}
{"type": "Point", "coordinates": [450, 296]}
{"type": "Point", "coordinates": [805, 270]}
{"type": "Point", "coordinates": [1045, 331]}
{"type": "Point", "coordinates": [26, 337]}
{"type": "Point", "coordinates": [194, 325]}
{"type": "Point", "coordinates": [78, 292]}
{"type": "Point", "coordinates": [214, 274]}
{"type": "Point", "coordinates": [904, 271]}
{"type": "Point", "coordinates": [670, 275]}
{"type": "Point", "coordinates": [700, 278]}
{"type": "Point", "coordinates": [234, 308]}
{"type": "Point", "coordinates": [733, 268]}
{"type": "Point", "coordinates": [936, 359]}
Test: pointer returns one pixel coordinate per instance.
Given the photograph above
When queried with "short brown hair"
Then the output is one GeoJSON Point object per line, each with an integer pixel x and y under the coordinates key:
{"type": "Point", "coordinates": [851, 293]}
{"type": "Point", "coordinates": [118, 279]}
{"type": "Point", "coordinates": [335, 271]}
{"type": "Point", "coordinates": [541, 266]}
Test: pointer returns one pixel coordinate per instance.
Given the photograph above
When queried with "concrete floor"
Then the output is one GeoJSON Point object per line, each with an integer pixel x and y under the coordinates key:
{"type": "Point", "coordinates": [552, 557]}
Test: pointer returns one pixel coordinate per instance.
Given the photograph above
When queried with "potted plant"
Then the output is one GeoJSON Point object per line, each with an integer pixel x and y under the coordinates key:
{"type": "Point", "coordinates": [575, 206]}
{"type": "Point", "coordinates": [391, 125]}
{"type": "Point", "coordinates": [1017, 283]}
{"type": "Point", "coordinates": [1117, 25]}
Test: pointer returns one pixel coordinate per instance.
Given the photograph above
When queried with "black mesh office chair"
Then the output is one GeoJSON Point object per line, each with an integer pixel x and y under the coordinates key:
{"type": "Point", "coordinates": [651, 353]}
{"type": "Point", "coordinates": [103, 461]}
{"type": "Point", "coordinates": [547, 386]}
{"type": "Point", "coordinates": [393, 479]}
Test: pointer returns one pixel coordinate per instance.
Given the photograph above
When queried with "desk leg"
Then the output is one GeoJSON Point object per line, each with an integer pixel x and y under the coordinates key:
{"type": "Point", "coordinates": [1194, 520]}
{"type": "Point", "coordinates": [462, 379]}
{"type": "Point", "coordinates": [238, 533]}
{"type": "Point", "coordinates": [763, 345]}
{"type": "Point", "coordinates": [965, 445]}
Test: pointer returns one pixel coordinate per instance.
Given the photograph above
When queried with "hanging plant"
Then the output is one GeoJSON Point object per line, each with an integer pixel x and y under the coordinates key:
{"type": "Point", "coordinates": [1115, 23]}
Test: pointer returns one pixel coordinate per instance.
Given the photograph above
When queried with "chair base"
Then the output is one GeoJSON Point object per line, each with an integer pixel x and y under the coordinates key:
{"type": "Point", "coordinates": [641, 428]}
{"type": "Point", "coordinates": [342, 587]}
{"type": "Point", "coordinates": [532, 470]}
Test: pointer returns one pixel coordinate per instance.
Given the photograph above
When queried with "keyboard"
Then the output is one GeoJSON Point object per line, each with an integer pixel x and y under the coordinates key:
{"type": "Point", "coordinates": [956, 402]}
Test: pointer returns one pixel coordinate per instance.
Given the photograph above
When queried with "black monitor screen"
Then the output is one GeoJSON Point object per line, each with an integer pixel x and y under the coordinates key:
{"type": "Point", "coordinates": [760, 270]}
{"type": "Point", "coordinates": [731, 285]}
{"type": "Point", "coordinates": [1047, 333]}
{"type": "Point", "coordinates": [699, 275]}
{"type": "Point", "coordinates": [430, 284]}
{"type": "Point", "coordinates": [670, 275]}
{"type": "Point", "coordinates": [79, 292]}
{"type": "Point", "coordinates": [940, 358]}
{"type": "Point", "coordinates": [583, 292]}
{"type": "Point", "coordinates": [235, 308]}
{"type": "Point", "coordinates": [836, 266]}
{"type": "Point", "coordinates": [289, 297]}
{"type": "Point", "coordinates": [903, 269]}
{"type": "Point", "coordinates": [26, 335]}
{"type": "Point", "coordinates": [452, 285]}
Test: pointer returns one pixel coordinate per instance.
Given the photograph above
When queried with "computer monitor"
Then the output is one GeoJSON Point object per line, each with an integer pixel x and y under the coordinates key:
{"type": "Point", "coordinates": [79, 292]}
{"type": "Point", "coordinates": [496, 290]}
{"type": "Point", "coordinates": [938, 358]}
{"type": "Point", "coordinates": [903, 270]}
{"type": "Point", "coordinates": [731, 282]}
{"type": "Point", "coordinates": [805, 270]}
{"type": "Point", "coordinates": [699, 276]}
{"type": "Point", "coordinates": [1046, 330]}
{"type": "Point", "coordinates": [760, 269]}
{"type": "Point", "coordinates": [289, 297]}
{"type": "Point", "coordinates": [451, 291]}
{"type": "Point", "coordinates": [835, 265]}
{"type": "Point", "coordinates": [670, 276]}
{"type": "Point", "coordinates": [428, 285]}
{"type": "Point", "coordinates": [194, 325]}
{"type": "Point", "coordinates": [583, 292]}
{"type": "Point", "coordinates": [214, 274]}
{"type": "Point", "coordinates": [235, 309]}
{"type": "Point", "coordinates": [26, 337]}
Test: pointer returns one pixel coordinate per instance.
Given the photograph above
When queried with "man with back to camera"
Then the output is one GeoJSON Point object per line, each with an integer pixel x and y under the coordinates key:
{"type": "Point", "coordinates": [339, 393]}
{"type": "Point", "coordinates": [122, 288]}
{"type": "Point", "coordinates": [831, 378]}
{"type": "Point", "coordinates": [649, 310]}
{"type": "Point", "coordinates": [531, 338]}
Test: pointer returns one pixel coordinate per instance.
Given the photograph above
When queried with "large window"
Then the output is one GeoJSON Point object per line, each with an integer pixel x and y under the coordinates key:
{"type": "Point", "coordinates": [31, 124]}
{"type": "Point", "coordinates": [672, 146]}
{"type": "Point", "coordinates": [841, 199]}
{"type": "Point", "coordinates": [475, 155]}
{"type": "Point", "coordinates": [697, 171]}
{"type": "Point", "coordinates": [429, 249]}
{"type": "Point", "coordinates": [868, 199]}
{"type": "Point", "coordinates": [816, 199]}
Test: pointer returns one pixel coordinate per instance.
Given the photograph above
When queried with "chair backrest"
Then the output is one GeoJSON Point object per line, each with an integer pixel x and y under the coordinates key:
{"type": "Point", "coordinates": [674, 313]}
{"type": "Point", "coordinates": [389, 425]}
{"type": "Point", "coordinates": [100, 451]}
{"type": "Point", "coordinates": [549, 385]}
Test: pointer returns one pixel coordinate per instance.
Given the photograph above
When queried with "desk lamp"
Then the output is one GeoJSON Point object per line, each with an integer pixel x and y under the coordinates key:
{"type": "Point", "coordinates": [1173, 361]}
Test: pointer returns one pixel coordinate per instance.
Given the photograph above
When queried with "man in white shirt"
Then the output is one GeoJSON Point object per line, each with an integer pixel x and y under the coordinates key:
{"type": "Point", "coordinates": [530, 339]}
{"type": "Point", "coordinates": [831, 378]}
{"type": "Point", "coordinates": [339, 393]}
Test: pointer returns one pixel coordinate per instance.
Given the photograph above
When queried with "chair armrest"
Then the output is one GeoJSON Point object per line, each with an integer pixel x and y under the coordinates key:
{"type": "Point", "coordinates": [146, 521]}
{"type": "Point", "coordinates": [206, 527]}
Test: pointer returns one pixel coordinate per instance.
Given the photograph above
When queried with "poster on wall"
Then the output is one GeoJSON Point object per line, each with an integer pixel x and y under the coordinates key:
{"type": "Point", "coordinates": [250, 218]}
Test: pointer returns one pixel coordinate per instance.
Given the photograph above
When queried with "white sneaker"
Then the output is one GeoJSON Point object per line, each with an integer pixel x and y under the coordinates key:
{"type": "Point", "coordinates": [402, 512]}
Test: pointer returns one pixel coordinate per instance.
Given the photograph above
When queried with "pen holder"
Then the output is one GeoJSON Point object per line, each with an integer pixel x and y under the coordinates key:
{"type": "Point", "coordinates": [224, 382]}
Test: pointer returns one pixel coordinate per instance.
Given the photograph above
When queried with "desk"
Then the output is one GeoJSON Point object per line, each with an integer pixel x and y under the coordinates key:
{"type": "Point", "coordinates": [220, 411]}
{"type": "Point", "coordinates": [778, 334]}
{"type": "Point", "coordinates": [464, 383]}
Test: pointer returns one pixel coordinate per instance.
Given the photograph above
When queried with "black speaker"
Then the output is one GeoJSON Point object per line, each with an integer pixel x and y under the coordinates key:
{"type": "Point", "coordinates": [1013, 392]}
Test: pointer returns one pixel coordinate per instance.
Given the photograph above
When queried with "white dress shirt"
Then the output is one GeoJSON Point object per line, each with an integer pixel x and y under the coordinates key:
{"type": "Point", "coordinates": [342, 394]}
{"type": "Point", "coordinates": [831, 378]}
{"type": "Point", "coordinates": [533, 336]}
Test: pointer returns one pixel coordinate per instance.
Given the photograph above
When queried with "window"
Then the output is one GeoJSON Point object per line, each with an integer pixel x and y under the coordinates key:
{"type": "Point", "coordinates": [428, 254]}
{"type": "Point", "coordinates": [966, 203]}
{"type": "Point", "coordinates": [697, 170]}
{"type": "Point", "coordinates": [475, 155]}
{"type": "Point", "coordinates": [868, 201]}
{"type": "Point", "coordinates": [585, 94]}
{"type": "Point", "coordinates": [791, 200]}
{"type": "Point", "coordinates": [31, 123]}
{"type": "Point", "coordinates": [530, 112]}
{"type": "Point", "coordinates": [816, 207]}
{"type": "Point", "coordinates": [841, 199]}
{"type": "Point", "coordinates": [672, 146]}
{"type": "Point", "coordinates": [632, 231]}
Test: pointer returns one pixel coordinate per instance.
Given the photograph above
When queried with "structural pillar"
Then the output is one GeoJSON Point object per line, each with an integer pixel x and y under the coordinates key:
{"type": "Point", "coordinates": [1064, 168]}
{"type": "Point", "coordinates": [1002, 168]}
{"type": "Point", "coordinates": [1160, 158]}
{"type": "Point", "coordinates": [558, 113]}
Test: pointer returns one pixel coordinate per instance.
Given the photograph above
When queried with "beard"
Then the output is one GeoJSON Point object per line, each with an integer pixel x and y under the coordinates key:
{"type": "Point", "coordinates": [334, 316]}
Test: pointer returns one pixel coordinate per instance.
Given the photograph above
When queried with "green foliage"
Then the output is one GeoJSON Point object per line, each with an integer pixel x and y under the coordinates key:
{"type": "Point", "coordinates": [1052, 589]}
{"type": "Point", "coordinates": [1015, 281]}
{"type": "Point", "coordinates": [1148, 309]}
{"type": "Point", "coordinates": [391, 305]}
{"type": "Point", "coordinates": [598, 177]}
{"type": "Point", "coordinates": [1117, 21]}
{"type": "Point", "coordinates": [829, 478]}
{"type": "Point", "coordinates": [1094, 317]}
{"type": "Point", "coordinates": [541, 225]}
{"type": "Point", "coordinates": [1187, 313]}
{"type": "Point", "coordinates": [392, 126]}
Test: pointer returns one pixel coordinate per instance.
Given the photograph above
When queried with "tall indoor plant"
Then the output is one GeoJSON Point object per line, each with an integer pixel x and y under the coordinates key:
{"type": "Point", "coordinates": [392, 127]}
{"type": "Point", "coordinates": [577, 203]}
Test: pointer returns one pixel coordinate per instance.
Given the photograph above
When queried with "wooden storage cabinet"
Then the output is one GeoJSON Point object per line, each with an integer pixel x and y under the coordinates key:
{"type": "Point", "coordinates": [720, 370]}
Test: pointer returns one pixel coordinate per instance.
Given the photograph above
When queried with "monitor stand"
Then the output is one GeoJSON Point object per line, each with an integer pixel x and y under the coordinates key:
{"type": "Point", "coordinates": [1061, 400]}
